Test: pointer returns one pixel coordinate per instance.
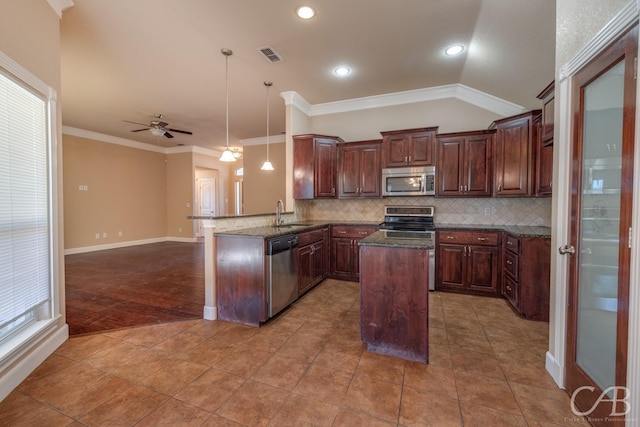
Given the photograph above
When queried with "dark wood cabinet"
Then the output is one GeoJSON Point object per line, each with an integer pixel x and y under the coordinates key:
{"type": "Point", "coordinates": [514, 155]}
{"type": "Point", "coordinates": [544, 145]}
{"type": "Point", "coordinates": [312, 260]}
{"type": "Point", "coordinates": [359, 169]}
{"type": "Point", "coordinates": [468, 261]}
{"type": "Point", "coordinates": [409, 147]}
{"type": "Point", "coordinates": [526, 275]}
{"type": "Point", "coordinates": [314, 166]}
{"type": "Point", "coordinates": [345, 256]}
{"type": "Point", "coordinates": [464, 164]}
{"type": "Point", "coordinates": [394, 301]}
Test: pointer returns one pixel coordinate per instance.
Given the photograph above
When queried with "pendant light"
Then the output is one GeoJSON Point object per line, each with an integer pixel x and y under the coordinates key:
{"type": "Point", "coordinates": [267, 166]}
{"type": "Point", "coordinates": [227, 155]}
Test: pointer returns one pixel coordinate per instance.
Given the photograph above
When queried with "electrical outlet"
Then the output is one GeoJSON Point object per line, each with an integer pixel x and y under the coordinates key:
{"type": "Point", "coordinates": [180, 230]}
{"type": "Point", "coordinates": [119, 233]}
{"type": "Point", "coordinates": [487, 211]}
{"type": "Point", "coordinates": [104, 235]}
{"type": "Point", "coordinates": [97, 235]}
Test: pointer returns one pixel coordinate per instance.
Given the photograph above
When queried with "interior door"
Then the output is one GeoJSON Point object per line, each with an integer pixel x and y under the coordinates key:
{"type": "Point", "coordinates": [206, 199]}
{"type": "Point", "coordinates": [602, 170]}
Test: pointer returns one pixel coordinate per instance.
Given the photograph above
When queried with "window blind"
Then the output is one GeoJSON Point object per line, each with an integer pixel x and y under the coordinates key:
{"type": "Point", "coordinates": [25, 266]}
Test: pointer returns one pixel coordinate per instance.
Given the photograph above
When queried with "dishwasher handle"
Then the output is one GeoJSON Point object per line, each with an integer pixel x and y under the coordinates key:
{"type": "Point", "coordinates": [281, 244]}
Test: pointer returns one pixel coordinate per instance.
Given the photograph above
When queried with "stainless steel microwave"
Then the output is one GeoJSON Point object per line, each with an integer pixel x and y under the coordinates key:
{"type": "Point", "coordinates": [415, 181]}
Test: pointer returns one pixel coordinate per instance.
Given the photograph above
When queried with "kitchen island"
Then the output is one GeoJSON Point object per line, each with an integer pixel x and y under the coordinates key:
{"type": "Point", "coordinates": [394, 295]}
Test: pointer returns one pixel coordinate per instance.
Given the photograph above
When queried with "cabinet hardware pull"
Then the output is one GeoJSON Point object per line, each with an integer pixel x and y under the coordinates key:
{"type": "Point", "coordinates": [508, 287]}
{"type": "Point", "coordinates": [509, 243]}
{"type": "Point", "coordinates": [450, 237]}
{"type": "Point", "coordinates": [483, 239]}
{"type": "Point", "coordinates": [509, 262]}
{"type": "Point", "coordinates": [342, 232]}
{"type": "Point", "coordinates": [363, 232]}
{"type": "Point", "coordinates": [409, 159]}
{"type": "Point", "coordinates": [499, 187]}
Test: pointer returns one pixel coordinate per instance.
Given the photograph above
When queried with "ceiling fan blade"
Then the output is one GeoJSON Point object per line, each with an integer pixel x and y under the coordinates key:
{"type": "Point", "coordinates": [168, 135]}
{"type": "Point", "coordinates": [136, 123]}
{"type": "Point", "coordinates": [180, 131]}
{"type": "Point", "coordinates": [139, 130]}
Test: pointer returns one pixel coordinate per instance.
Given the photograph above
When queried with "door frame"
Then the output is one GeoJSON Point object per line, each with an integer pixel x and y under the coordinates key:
{"type": "Point", "coordinates": [561, 205]}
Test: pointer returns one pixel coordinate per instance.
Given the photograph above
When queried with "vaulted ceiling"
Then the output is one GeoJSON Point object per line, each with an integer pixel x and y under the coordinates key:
{"type": "Point", "coordinates": [127, 60]}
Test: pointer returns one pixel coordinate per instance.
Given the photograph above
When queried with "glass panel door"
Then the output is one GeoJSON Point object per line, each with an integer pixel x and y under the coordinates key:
{"type": "Point", "coordinates": [597, 306]}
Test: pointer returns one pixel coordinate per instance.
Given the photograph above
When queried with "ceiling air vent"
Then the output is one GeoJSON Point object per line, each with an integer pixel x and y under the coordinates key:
{"type": "Point", "coordinates": [270, 54]}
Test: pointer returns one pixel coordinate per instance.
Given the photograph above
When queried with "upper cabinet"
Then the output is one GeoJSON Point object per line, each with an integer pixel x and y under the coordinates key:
{"type": "Point", "coordinates": [314, 166]}
{"type": "Point", "coordinates": [359, 169]}
{"type": "Point", "coordinates": [514, 155]}
{"type": "Point", "coordinates": [464, 164]}
{"type": "Point", "coordinates": [409, 147]}
{"type": "Point", "coordinates": [544, 146]}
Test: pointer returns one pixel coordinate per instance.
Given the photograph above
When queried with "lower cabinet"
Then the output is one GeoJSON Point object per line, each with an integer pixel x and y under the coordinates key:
{"type": "Point", "coordinates": [312, 258]}
{"type": "Point", "coordinates": [468, 261]}
{"type": "Point", "coordinates": [345, 258]}
{"type": "Point", "coordinates": [526, 275]}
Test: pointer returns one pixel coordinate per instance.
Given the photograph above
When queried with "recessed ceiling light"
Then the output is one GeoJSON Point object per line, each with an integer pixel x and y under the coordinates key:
{"type": "Point", "coordinates": [454, 49]}
{"type": "Point", "coordinates": [305, 12]}
{"type": "Point", "coordinates": [342, 71]}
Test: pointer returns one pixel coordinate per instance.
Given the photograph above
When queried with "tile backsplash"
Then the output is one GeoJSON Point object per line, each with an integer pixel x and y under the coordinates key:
{"type": "Point", "coordinates": [483, 211]}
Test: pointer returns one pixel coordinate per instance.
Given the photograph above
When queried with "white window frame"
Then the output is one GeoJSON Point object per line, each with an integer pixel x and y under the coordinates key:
{"type": "Point", "coordinates": [20, 343]}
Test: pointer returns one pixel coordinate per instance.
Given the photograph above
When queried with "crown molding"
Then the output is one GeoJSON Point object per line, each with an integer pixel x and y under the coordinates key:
{"type": "Point", "coordinates": [458, 91]}
{"type": "Point", "coordinates": [262, 140]}
{"type": "Point", "coordinates": [60, 6]}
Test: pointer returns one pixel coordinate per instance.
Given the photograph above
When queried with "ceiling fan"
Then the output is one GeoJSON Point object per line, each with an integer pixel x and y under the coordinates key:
{"type": "Point", "coordinates": [158, 127]}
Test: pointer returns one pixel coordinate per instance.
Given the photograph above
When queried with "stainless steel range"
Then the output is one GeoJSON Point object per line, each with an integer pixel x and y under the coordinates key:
{"type": "Point", "coordinates": [412, 222]}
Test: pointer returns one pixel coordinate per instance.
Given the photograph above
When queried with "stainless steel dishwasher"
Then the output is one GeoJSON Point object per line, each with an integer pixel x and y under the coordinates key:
{"type": "Point", "coordinates": [282, 272]}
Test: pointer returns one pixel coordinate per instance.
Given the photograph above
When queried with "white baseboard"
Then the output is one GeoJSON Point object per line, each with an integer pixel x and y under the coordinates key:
{"type": "Point", "coordinates": [84, 249]}
{"type": "Point", "coordinates": [555, 370]}
{"type": "Point", "coordinates": [210, 313]}
{"type": "Point", "coordinates": [28, 363]}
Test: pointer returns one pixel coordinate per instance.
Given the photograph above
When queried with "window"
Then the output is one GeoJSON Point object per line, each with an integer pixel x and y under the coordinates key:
{"type": "Point", "coordinates": [26, 267]}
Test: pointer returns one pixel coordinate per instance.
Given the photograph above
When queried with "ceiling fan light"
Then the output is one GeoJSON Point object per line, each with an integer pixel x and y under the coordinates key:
{"type": "Point", "coordinates": [305, 12]}
{"type": "Point", "coordinates": [455, 49]}
{"type": "Point", "coordinates": [157, 131]}
{"type": "Point", "coordinates": [227, 156]}
{"type": "Point", "coordinates": [267, 166]}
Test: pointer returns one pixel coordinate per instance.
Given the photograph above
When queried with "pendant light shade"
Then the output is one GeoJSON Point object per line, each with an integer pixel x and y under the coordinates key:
{"type": "Point", "coordinates": [227, 155]}
{"type": "Point", "coordinates": [267, 166]}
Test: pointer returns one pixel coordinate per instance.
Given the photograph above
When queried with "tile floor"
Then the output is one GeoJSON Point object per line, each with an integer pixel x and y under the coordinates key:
{"type": "Point", "coordinates": [306, 367]}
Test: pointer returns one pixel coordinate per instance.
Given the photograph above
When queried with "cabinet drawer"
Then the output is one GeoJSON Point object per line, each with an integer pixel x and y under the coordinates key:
{"type": "Point", "coordinates": [510, 290]}
{"type": "Point", "coordinates": [512, 243]}
{"type": "Point", "coordinates": [309, 237]}
{"type": "Point", "coordinates": [511, 264]}
{"type": "Point", "coordinates": [352, 231]}
{"type": "Point", "coordinates": [478, 238]}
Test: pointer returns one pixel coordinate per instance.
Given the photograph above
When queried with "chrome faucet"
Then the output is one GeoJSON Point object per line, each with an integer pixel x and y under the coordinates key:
{"type": "Point", "coordinates": [279, 210]}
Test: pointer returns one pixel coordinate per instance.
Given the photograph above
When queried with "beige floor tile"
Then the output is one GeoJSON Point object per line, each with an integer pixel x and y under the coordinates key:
{"type": "Point", "coordinates": [218, 421]}
{"type": "Point", "coordinates": [173, 375]}
{"type": "Point", "coordinates": [79, 348]}
{"type": "Point", "coordinates": [51, 365]}
{"type": "Point", "coordinates": [17, 409]}
{"type": "Point", "coordinates": [126, 408]}
{"type": "Point", "coordinates": [523, 372]}
{"type": "Point", "coordinates": [481, 416]}
{"type": "Point", "coordinates": [440, 355]}
{"type": "Point", "coordinates": [114, 355]}
{"type": "Point", "coordinates": [243, 361]}
{"type": "Point", "coordinates": [381, 367]}
{"type": "Point", "coordinates": [430, 379]}
{"type": "Point", "coordinates": [437, 335]}
{"type": "Point", "coordinates": [476, 362]}
{"type": "Point", "coordinates": [379, 399]}
{"type": "Point", "coordinates": [302, 346]}
{"type": "Point", "coordinates": [207, 328]}
{"type": "Point", "coordinates": [233, 335]}
{"type": "Point", "coordinates": [253, 404]}
{"type": "Point", "coordinates": [211, 389]}
{"type": "Point", "coordinates": [180, 342]}
{"type": "Point", "coordinates": [175, 413]}
{"type": "Point", "coordinates": [150, 336]}
{"type": "Point", "coordinates": [281, 372]}
{"type": "Point", "coordinates": [327, 385]}
{"type": "Point", "coordinates": [465, 340]}
{"type": "Point", "coordinates": [340, 357]}
{"type": "Point", "coordinates": [545, 405]}
{"type": "Point", "coordinates": [349, 418]}
{"type": "Point", "coordinates": [481, 390]}
{"type": "Point", "coordinates": [206, 353]}
{"type": "Point", "coordinates": [426, 409]}
{"type": "Point", "coordinates": [300, 411]}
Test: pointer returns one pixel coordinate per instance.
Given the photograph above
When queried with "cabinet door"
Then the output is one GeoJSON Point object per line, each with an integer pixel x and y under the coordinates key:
{"type": "Point", "coordinates": [305, 268]}
{"type": "Point", "coordinates": [544, 169]}
{"type": "Point", "coordinates": [396, 150]}
{"type": "Point", "coordinates": [451, 272]}
{"type": "Point", "coordinates": [421, 149]}
{"type": "Point", "coordinates": [325, 169]}
{"type": "Point", "coordinates": [326, 244]}
{"type": "Point", "coordinates": [477, 176]}
{"type": "Point", "coordinates": [450, 158]}
{"type": "Point", "coordinates": [317, 262]}
{"type": "Point", "coordinates": [513, 158]}
{"type": "Point", "coordinates": [510, 291]}
{"type": "Point", "coordinates": [371, 179]}
{"type": "Point", "coordinates": [350, 176]}
{"type": "Point", "coordinates": [342, 257]}
{"type": "Point", "coordinates": [482, 268]}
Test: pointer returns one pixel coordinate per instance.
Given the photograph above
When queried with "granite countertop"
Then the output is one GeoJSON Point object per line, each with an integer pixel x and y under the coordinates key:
{"type": "Point", "coordinates": [379, 238]}
{"type": "Point", "coordinates": [267, 232]}
{"type": "Point", "coordinates": [516, 230]}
